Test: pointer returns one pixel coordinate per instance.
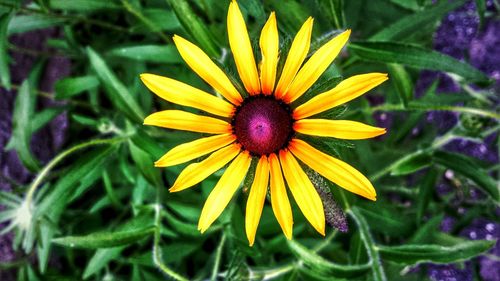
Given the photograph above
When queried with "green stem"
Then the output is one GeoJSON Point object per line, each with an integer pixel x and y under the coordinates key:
{"type": "Point", "coordinates": [40, 177]}
{"type": "Point", "coordinates": [218, 255]}
{"type": "Point", "coordinates": [325, 241]}
{"type": "Point", "coordinates": [157, 259]}
{"type": "Point", "coordinates": [371, 247]}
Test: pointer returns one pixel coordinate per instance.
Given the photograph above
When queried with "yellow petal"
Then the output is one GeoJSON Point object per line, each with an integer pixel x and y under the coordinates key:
{"type": "Point", "coordinates": [191, 150]}
{"type": "Point", "coordinates": [303, 191]}
{"type": "Point", "coordinates": [315, 66]}
{"type": "Point", "coordinates": [279, 199]}
{"type": "Point", "coordinates": [296, 55]}
{"type": "Point", "coordinates": [242, 49]}
{"type": "Point", "coordinates": [333, 169]}
{"type": "Point", "coordinates": [183, 94]}
{"type": "Point", "coordinates": [207, 69]}
{"type": "Point", "coordinates": [256, 198]}
{"type": "Point", "coordinates": [347, 90]}
{"type": "Point", "coordinates": [196, 172]}
{"type": "Point", "coordinates": [182, 120]}
{"type": "Point", "coordinates": [341, 129]}
{"type": "Point", "coordinates": [224, 190]}
{"type": "Point", "coordinates": [269, 45]}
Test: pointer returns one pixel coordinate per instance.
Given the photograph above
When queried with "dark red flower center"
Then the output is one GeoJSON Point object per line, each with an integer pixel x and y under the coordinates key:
{"type": "Point", "coordinates": [262, 124]}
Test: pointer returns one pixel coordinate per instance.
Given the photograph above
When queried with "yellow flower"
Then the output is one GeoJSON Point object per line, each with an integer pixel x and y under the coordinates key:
{"type": "Point", "coordinates": [261, 123]}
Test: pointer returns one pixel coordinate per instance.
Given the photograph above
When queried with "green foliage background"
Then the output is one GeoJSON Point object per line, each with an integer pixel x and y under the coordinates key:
{"type": "Point", "coordinates": [101, 210]}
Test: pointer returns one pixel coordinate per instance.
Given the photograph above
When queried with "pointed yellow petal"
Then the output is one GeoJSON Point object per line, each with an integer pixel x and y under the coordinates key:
{"type": "Point", "coordinates": [242, 49]}
{"type": "Point", "coordinates": [303, 191]}
{"type": "Point", "coordinates": [207, 69]}
{"type": "Point", "coordinates": [269, 45]}
{"type": "Point", "coordinates": [315, 66]}
{"type": "Point", "coordinates": [347, 90]}
{"type": "Point", "coordinates": [341, 129]}
{"type": "Point", "coordinates": [333, 169]}
{"type": "Point", "coordinates": [182, 120]}
{"type": "Point", "coordinates": [191, 150]}
{"type": "Point", "coordinates": [296, 55]}
{"type": "Point", "coordinates": [183, 94]}
{"type": "Point", "coordinates": [224, 190]}
{"type": "Point", "coordinates": [196, 172]}
{"type": "Point", "coordinates": [256, 198]}
{"type": "Point", "coordinates": [279, 199]}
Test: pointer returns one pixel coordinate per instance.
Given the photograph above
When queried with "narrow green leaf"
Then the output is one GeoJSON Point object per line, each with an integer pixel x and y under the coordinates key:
{"type": "Point", "coordinates": [414, 23]}
{"type": "Point", "coordinates": [425, 192]}
{"type": "Point", "coordinates": [413, 254]}
{"type": "Point", "coordinates": [412, 164]}
{"type": "Point", "coordinates": [21, 125]}
{"type": "Point", "coordinates": [149, 53]}
{"type": "Point", "coordinates": [466, 166]}
{"type": "Point", "coordinates": [118, 94]}
{"type": "Point", "coordinates": [83, 5]}
{"type": "Point", "coordinates": [4, 57]}
{"type": "Point", "coordinates": [381, 220]}
{"type": "Point", "coordinates": [52, 206]}
{"type": "Point", "coordinates": [372, 249]}
{"type": "Point", "coordinates": [194, 26]}
{"type": "Point", "coordinates": [417, 57]}
{"type": "Point", "coordinates": [42, 118]}
{"type": "Point", "coordinates": [322, 266]}
{"type": "Point", "coordinates": [407, 4]}
{"type": "Point", "coordinates": [402, 81]}
{"type": "Point", "coordinates": [104, 239]}
{"type": "Point", "coordinates": [164, 20]}
{"type": "Point", "coordinates": [100, 259]}
{"type": "Point", "coordinates": [425, 232]}
{"type": "Point", "coordinates": [25, 23]}
{"type": "Point", "coordinates": [72, 86]}
{"type": "Point", "coordinates": [145, 164]}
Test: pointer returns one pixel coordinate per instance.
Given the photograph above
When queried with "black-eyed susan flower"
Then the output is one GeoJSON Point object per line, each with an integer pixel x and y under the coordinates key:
{"type": "Point", "coordinates": [262, 124]}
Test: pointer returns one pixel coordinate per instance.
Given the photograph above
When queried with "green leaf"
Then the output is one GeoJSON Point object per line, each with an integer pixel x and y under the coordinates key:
{"type": "Point", "coordinates": [411, 164]}
{"type": "Point", "coordinates": [100, 259]}
{"type": "Point", "coordinates": [4, 57]}
{"type": "Point", "coordinates": [83, 5]}
{"type": "Point", "coordinates": [322, 266]}
{"type": "Point", "coordinates": [402, 81]}
{"type": "Point", "coordinates": [104, 239]}
{"type": "Point", "coordinates": [69, 87]}
{"type": "Point", "coordinates": [466, 166]}
{"type": "Point", "coordinates": [149, 53]}
{"type": "Point", "coordinates": [52, 205]}
{"type": "Point", "coordinates": [118, 94]}
{"type": "Point", "coordinates": [425, 192]}
{"type": "Point", "coordinates": [425, 232]}
{"type": "Point", "coordinates": [21, 126]}
{"type": "Point", "coordinates": [163, 20]}
{"type": "Point", "coordinates": [417, 57]}
{"type": "Point", "coordinates": [42, 118]}
{"type": "Point", "coordinates": [382, 219]}
{"type": "Point", "coordinates": [414, 23]}
{"type": "Point", "coordinates": [413, 254]}
{"type": "Point", "coordinates": [145, 164]}
{"type": "Point", "coordinates": [194, 26]}
{"type": "Point", "coordinates": [25, 23]}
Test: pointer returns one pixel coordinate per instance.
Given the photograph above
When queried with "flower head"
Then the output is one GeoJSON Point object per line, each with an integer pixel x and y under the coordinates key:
{"type": "Point", "coordinates": [263, 123]}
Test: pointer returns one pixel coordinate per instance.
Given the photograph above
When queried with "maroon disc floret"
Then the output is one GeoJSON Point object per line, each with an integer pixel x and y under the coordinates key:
{"type": "Point", "coordinates": [262, 124]}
